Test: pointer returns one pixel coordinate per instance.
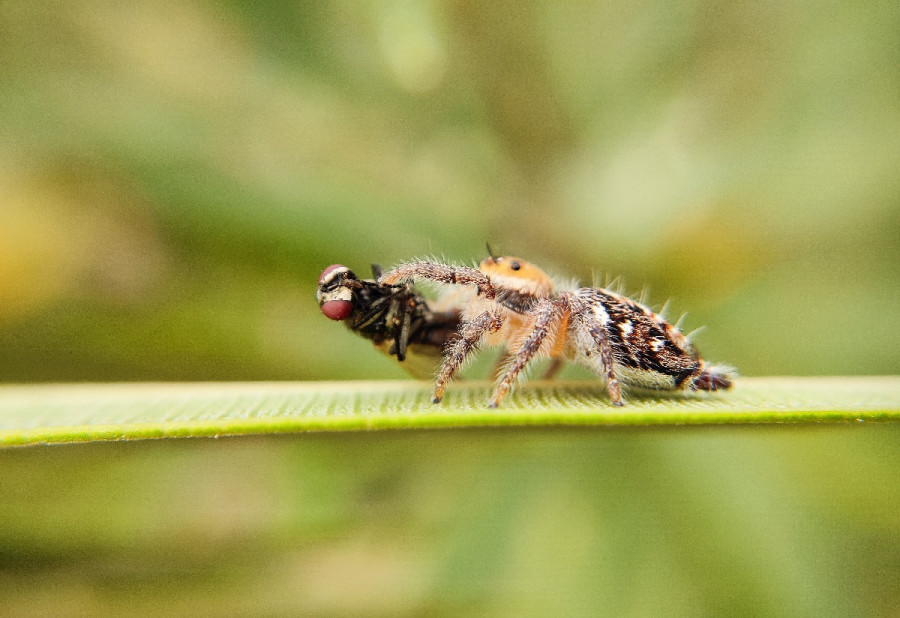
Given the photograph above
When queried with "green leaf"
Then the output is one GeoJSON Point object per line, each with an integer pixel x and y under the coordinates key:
{"type": "Point", "coordinates": [31, 414]}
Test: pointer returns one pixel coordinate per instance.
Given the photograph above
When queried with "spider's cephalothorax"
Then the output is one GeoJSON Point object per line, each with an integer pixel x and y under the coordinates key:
{"type": "Point", "coordinates": [516, 304]}
{"type": "Point", "coordinates": [397, 320]}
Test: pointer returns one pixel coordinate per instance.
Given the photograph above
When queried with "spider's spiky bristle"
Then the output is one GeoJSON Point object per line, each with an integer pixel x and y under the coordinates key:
{"type": "Point", "coordinates": [691, 334]}
{"type": "Point", "coordinates": [662, 311]}
{"type": "Point", "coordinates": [642, 298]}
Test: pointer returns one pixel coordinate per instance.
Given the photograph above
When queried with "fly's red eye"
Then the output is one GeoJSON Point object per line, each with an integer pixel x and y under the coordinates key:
{"type": "Point", "coordinates": [337, 309]}
{"type": "Point", "coordinates": [328, 270]}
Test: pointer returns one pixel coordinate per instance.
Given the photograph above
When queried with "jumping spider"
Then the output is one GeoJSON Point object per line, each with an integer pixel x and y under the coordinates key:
{"type": "Point", "coordinates": [395, 318]}
{"type": "Point", "coordinates": [515, 304]}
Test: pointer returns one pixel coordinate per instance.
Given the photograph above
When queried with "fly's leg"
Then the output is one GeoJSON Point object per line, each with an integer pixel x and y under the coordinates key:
{"type": "Point", "coordinates": [442, 273]}
{"type": "Point", "coordinates": [470, 335]}
{"type": "Point", "coordinates": [547, 316]}
{"type": "Point", "coordinates": [402, 340]}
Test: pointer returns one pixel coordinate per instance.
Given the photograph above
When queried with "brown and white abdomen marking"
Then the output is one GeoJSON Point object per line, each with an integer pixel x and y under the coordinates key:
{"type": "Point", "coordinates": [647, 351]}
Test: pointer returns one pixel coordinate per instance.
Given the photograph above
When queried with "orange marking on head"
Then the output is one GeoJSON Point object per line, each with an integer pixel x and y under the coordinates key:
{"type": "Point", "coordinates": [518, 274]}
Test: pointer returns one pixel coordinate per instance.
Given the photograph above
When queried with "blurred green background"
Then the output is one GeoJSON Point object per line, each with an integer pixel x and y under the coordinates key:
{"type": "Point", "coordinates": [174, 176]}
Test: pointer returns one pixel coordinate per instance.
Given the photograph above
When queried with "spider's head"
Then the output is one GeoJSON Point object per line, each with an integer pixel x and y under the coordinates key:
{"type": "Point", "coordinates": [517, 274]}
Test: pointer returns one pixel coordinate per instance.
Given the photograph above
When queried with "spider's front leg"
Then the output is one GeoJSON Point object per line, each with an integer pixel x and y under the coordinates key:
{"type": "Point", "coordinates": [548, 315]}
{"type": "Point", "coordinates": [442, 273]}
{"type": "Point", "coordinates": [470, 336]}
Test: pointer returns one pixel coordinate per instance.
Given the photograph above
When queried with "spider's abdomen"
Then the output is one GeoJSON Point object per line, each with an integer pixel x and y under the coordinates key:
{"type": "Point", "coordinates": [647, 351]}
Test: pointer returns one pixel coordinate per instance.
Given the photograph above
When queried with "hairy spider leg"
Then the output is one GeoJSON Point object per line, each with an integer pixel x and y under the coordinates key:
{"type": "Point", "coordinates": [442, 273]}
{"type": "Point", "coordinates": [555, 366]}
{"type": "Point", "coordinates": [470, 335]}
{"type": "Point", "coordinates": [552, 370]}
{"type": "Point", "coordinates": [596, 334]}
{"type": "Point", "coordinates": [548, 316]}
{"type": "Point", "coordinates": [471, 332]}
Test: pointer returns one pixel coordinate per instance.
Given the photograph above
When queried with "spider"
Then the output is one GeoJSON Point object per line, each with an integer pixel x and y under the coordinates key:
{"type": "Point", "coordinates": [515, 304]}
{"type": "Point", "coordinates": [397, 320]}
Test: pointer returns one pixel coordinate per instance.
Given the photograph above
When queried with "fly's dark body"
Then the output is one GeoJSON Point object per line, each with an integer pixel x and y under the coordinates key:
{"type": "Point", "coordinates": [395, 318]}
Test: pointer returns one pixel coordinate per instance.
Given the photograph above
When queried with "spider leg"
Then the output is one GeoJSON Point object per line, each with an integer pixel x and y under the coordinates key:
{"type": "Point", "coordinates": [442, 273]}
{"type": "Point", "coordinates": [548, 315]}
{"type": "Point", "coordinates": [470, 335]}
{"type": "Point", "coordinates": [552, 370]}
{"type": "Point", "coordinates": [579, 314]}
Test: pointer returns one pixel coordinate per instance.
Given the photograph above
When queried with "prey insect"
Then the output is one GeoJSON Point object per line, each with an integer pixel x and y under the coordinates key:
{"type": "Point", "coordinates": [515, 304]}
{"type": "Point", "coordinates": [395, 318]}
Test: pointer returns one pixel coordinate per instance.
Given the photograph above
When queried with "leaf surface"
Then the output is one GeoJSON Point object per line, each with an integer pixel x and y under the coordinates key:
{"type": "Point", "coordinates": [31, 414]}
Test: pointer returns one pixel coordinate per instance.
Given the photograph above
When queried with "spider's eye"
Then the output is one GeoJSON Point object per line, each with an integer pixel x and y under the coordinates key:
{"type": "Point", "coordinates": [515, 266]}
